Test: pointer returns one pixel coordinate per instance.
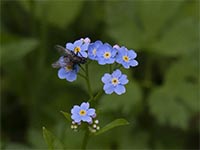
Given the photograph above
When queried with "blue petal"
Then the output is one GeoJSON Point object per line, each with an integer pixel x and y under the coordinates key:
{"type": "Point", "coordinates": [117, 73]}
{"type": "Point", "coordinates": [71, 76]}
{"type": "Point", "coordinates": [106, 78]}
{"type": "Point", "coordinates": [132, 54]}
{"type": "Point", "coordinates": [75, 109]}
{"type": "Point", "coordinates": [78, 43]}
{"type": "Point", "coordinates": [70, 46]}
{"type": "Point", "coordinates": [86, 118]}
{"type": "Point", "coordinates": [83, 54]}
{"type": "Point", "coordinates": [85, 106]}
{"type": "Point", "coordinates": [84, 47]}
{"type": "Point", "coordinates": [62, 73]}
{"type": "Point", "coordinates": [120, 89]}
{"type": "Point", "coordinates": [133, 63]}
{"type": "Point", "coordinates": [76, 119]}
{"type": "Point", "coordinates": [110, 60]}
{"type": "Point", "coordinates": [123, 79]}
{"type": "Point", "coordinates": [126, 65]}
{"type": "Point", "coordinates": [91, 112]}
{"type": "Point", "coordinates": [108, 88]}
{"type": "Point", "coordinates": [101, 61]}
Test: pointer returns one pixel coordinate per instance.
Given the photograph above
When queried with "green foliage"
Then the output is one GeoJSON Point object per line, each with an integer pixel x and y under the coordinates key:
{"type": "Point", "coordinates": [57, 13]}
{"type": "Point", "coordinates": [51, 140]}
{"type": "Point", "coordinates": [15, 50]}
{"type": "Point", "coordinates": [113, 124]}
{"type": "Point", "coordinates": [67, 116]}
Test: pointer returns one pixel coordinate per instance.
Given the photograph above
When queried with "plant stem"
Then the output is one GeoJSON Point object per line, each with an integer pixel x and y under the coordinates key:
{"type": "Point", "coordinates": [88, 81]}
{"type": "Point", "coordinates": [110, 68]}
{"type": "Point", "coordinates": [85, 139]}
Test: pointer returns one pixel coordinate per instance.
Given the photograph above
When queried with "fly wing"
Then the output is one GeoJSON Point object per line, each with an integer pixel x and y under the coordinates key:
{"type": "Point", "coordinates": [62, 62]}
{"type": "Point", "coordinates": [64, 51]}
{"type": "Point", "coordinates": [56, 64]}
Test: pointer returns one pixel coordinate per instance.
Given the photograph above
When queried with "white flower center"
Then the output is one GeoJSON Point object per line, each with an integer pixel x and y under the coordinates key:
{"type": "Point", "coordinates": [126, 58]}
{"type": "Point", "coordinates": [82, 112]}
{"type": "Point", "coordinates": [68, 68]}
{"type": "Point", "coordinates": [94, 51]}
{"type": "Point", "coordinates": [107, 55]}
{"type": "Point", "coordinates": [115, 81]}
{"type": "Point", "coordinates": [77, 49]}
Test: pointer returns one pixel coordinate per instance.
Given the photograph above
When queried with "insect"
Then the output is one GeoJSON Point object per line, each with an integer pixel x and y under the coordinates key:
{"type": "Point", "coordinates": [69, 58]}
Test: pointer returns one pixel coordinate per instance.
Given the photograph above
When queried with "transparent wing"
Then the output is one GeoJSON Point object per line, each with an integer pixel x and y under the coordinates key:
{"type": "Point", "coordinates": [64, 51]}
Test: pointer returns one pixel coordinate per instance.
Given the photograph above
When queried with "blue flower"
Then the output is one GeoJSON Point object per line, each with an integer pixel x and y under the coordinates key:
{"type": "Point", "coordinates": [78, 47]}
{"type": "Point", "coordinates": [92, 49]}
{"type": "Point", "coordinates": [83, 113]}
{"type": "Point", "coordinates": [114, 82]}
{"type": "Point", "coordinates": [68, 72]}
{"type": "Point", "coordinates": [126, 57]}
{"type": "Point", "coordinates": [106, 54]}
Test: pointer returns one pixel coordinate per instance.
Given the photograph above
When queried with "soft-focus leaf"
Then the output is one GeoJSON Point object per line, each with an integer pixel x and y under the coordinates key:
{"type": "Point", "coordinates": [113, 124]}
{"type": "Point", "coordinates": [124, 103]}
{"type": "Point", "coordinates": [179, 39]}
{"type": "Point", "coordinates": [177, 100]}
{"type": "Point", "coordinates": [51, 140]}
{"type": "Point", "coordinates": [67, 116]}
{"type": "Point", "coordinates": [59, 13]}
{"type": "Point", "coordinates": [125, 32]}
{"type": "Point", "coordinates": [16, 50]}
{"type": "Point", "coordinates": [168, 109]}
{"type": "Point", "coordinates": [155, 14]}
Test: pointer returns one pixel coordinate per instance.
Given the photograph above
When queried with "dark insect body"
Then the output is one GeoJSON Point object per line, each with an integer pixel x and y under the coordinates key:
{"type": "Point", "coordinates": [68, 59]}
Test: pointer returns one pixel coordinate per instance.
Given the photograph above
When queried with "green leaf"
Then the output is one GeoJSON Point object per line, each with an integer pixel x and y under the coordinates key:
{"type": "Point", "coordinates": [176, 42]}
{"type": "Point", "coordinates": [59, 13]}
{"type": "Point", "coordinates": [155, 14]}
{"type": "Point", "coordinates": [126, 103]}
{"type": "Point", "coordinates": [16, 50]}
{"type": "Point", "coordinates": [167, 109]}
{"type": "Point", "coordinates": [125, 32]}
{"type": "Point", "coordinates": [113, 124]}
{"type": "Point", "coordinates": [67, 116]}
{"type": "Point", "coordinates": [51, 140]}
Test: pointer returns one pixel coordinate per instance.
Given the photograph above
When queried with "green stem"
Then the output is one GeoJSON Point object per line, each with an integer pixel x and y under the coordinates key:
{"type": "Point", "coordinates": [88, 81]}
{"type": "Point", "coordinates": [110, 68]}
{"type": "Point", "coordinates": [85, 139]}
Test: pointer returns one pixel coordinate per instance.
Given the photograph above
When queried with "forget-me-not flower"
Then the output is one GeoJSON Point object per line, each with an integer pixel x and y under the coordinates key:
{"type": "Point", "coordinates": [92, 49]}
{"type": "Point", "coordinates": [106, 54]}
{"type": "Point", "coordinates": [83, 113]}
{"type": "Point", "coordinates": [126, 57]}
{"type": "Point", "coordinates": [114, 82]}
{"type": "Point", "coordinates": [68, 72]}
{"type": "Point", "coordinates": [78, 47]}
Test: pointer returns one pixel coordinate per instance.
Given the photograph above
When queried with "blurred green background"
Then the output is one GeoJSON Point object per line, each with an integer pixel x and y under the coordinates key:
{"type": "Point", "coordinates": [162, 98]}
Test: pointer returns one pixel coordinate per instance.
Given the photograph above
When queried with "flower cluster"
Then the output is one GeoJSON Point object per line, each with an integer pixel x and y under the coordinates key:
{"type": "Point", "coordinates": [83, 114]}
{"type": "Point", "coordinates": [104, 54]}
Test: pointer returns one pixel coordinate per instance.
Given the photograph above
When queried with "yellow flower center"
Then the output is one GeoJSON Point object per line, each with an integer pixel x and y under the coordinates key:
{"type": "Point", "coordinates": [107, 55]}
{"type": "Point", "coordinates": [115, 81]}
{"type": "Point", "coordinates": [94, 51]}
{"type": "Point", "coordinates": [77, 49]}
{"type": "Point", "coordinates": [68, 68]}
{"type": "Point", "coordinates": [126, 58]}
{"type": "Point", "coordinates": [82, 112]}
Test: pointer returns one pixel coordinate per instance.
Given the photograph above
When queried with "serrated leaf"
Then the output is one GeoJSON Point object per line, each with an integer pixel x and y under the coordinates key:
{"type": "Point", "coordinates": [168, 109]}
{"type": "Point", "coordinates": [59, 13]}
{"type": "Point", "coordinates": [113, 124]}
{"type": "Point", "coordinates": [67, 116]}
{"type": "Point", "coordinates": [16, 50]}
{"type": "Point", "coordinates": [51, 140]}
